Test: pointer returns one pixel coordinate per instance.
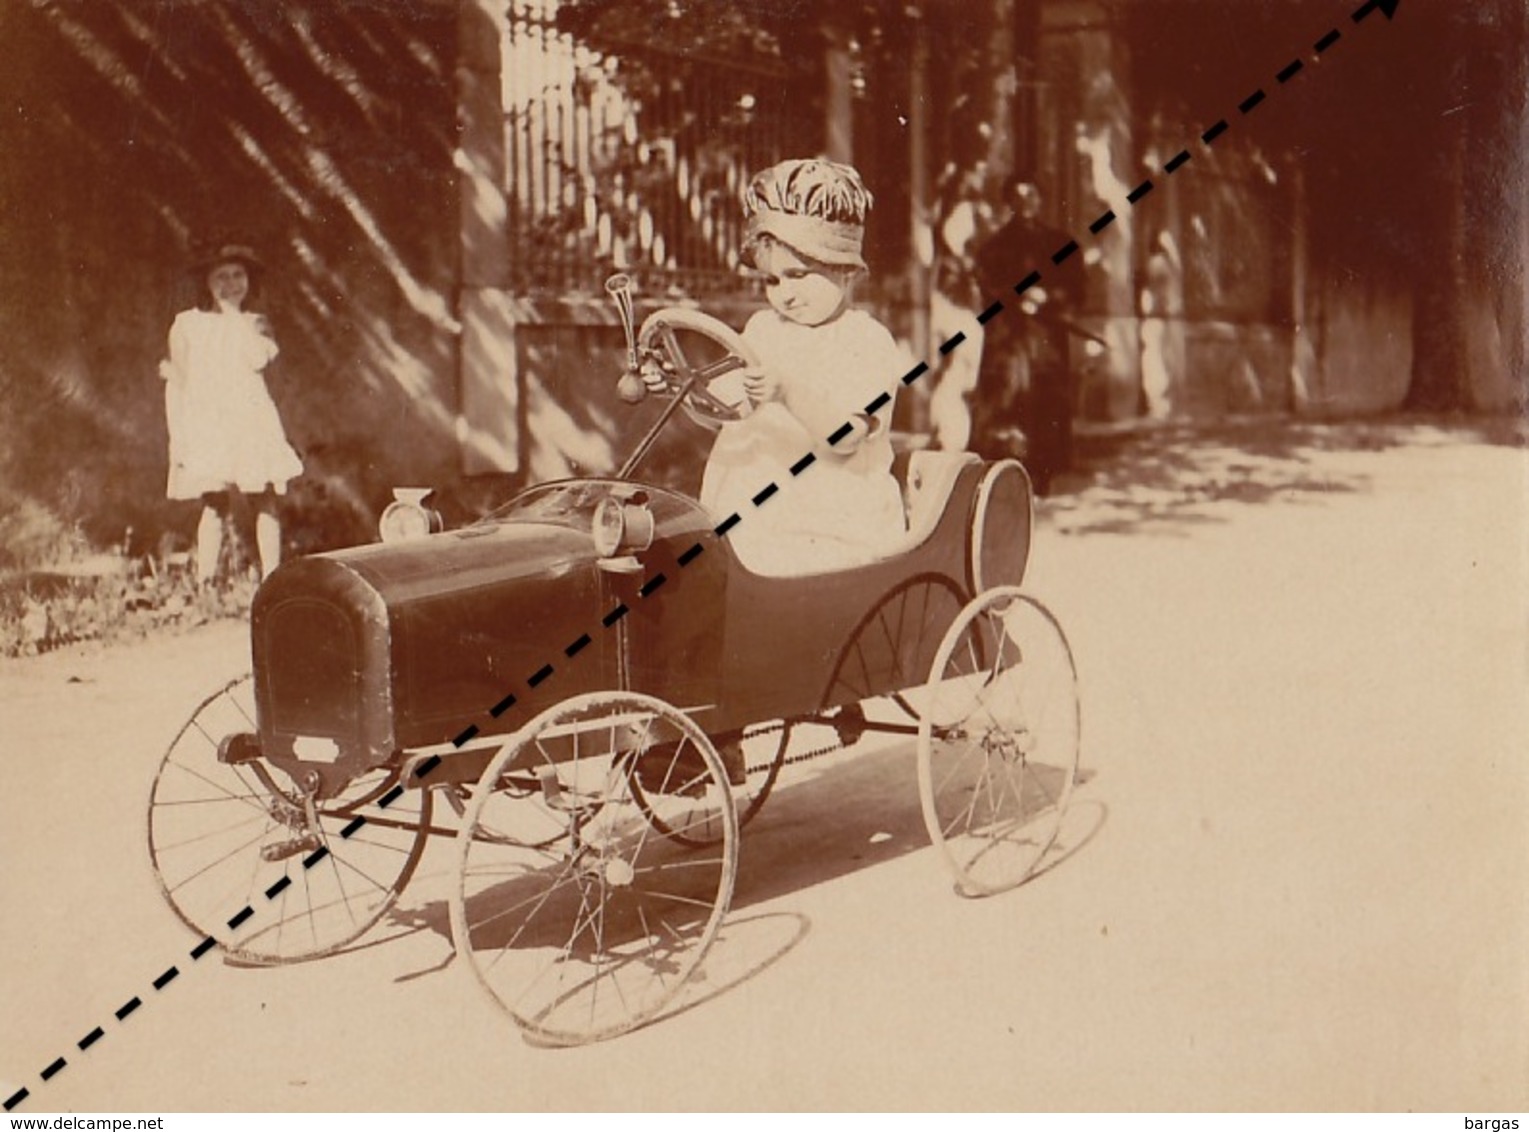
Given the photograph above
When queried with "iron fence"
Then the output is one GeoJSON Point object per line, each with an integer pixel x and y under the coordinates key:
{"type": "Point", "coordinates": [633, 157]}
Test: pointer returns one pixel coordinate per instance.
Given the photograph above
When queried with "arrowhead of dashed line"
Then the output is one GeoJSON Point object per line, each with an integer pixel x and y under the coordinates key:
{"type": "Point", "coordinates": [1388, 7]}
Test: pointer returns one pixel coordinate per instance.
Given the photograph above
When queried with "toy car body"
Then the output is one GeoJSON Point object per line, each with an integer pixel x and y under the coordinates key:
{"type": "Point", "coordinates": [364, 654]}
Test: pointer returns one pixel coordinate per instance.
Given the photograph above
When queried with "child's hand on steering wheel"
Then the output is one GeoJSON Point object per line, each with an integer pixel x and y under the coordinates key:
{"type": "Point", "coordinates": [760, 384]}
{"type": "Point", "coordinates": [656, 376]}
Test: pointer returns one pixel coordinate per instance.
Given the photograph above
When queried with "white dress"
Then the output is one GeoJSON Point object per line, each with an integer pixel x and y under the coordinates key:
{"type": "Point", "coordinates": [224, 428]}
{"type": "Point", "coordinates": [842, 510]}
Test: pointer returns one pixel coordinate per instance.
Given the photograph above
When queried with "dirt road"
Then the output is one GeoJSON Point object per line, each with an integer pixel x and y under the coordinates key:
{"type": "Point", "coordinates": [1299, 875]}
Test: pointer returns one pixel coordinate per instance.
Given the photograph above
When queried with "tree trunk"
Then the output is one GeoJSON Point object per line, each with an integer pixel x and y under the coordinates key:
{"type": "Point", "coordinates": [1439, 369]}
{"type": "Point", "coordinates": [1462, 340]}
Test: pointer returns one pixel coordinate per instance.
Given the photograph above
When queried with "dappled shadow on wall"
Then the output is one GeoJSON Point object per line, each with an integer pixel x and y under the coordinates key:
{"type": "Point", "coordinates": [323, 135]}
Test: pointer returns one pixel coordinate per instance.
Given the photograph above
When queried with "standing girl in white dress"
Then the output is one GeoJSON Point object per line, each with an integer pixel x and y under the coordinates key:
{"type": "Point", "coordinates": [225, 433]}
{"type": "Point", "coordinates": [822, 364]}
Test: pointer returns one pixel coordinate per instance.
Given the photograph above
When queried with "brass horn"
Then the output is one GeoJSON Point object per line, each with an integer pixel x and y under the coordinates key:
{"type": "Point", "coordinates": [630, 388]}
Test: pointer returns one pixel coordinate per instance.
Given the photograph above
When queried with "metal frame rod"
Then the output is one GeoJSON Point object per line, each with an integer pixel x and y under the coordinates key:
{"type": "Point", "coordinates": [663, 418]}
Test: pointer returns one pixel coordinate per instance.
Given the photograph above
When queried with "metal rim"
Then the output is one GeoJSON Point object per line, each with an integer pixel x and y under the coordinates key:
{"type": "Point", "coordinates": [595, 934]}
{"type": "Point", "coordinates": [998, 742]}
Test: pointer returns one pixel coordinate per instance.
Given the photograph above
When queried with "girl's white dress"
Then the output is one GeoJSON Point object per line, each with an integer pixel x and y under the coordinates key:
{"type": "Point", "coordinates": [842, 510]}
{"type": "Point", "coordinates": [224, 428]}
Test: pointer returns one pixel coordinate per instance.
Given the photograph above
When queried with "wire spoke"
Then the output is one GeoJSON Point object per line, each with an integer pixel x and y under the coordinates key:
{"type": "Point", "coordinates": [228, 795]}
{"type": "Point", "coordinates": [230, 855]}
{"type": "Point", "coordinates": [197, 839]}
{"type": "Point", "coordinates": [677, 898]}
{"type": "Point", "coordinates": [538, 899]}
{"type": "Point", "coordinates": [209, 801]}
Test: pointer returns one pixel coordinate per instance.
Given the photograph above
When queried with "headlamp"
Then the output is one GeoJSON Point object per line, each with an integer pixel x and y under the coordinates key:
{"type": "Point", "coordinates": [407, 517]}
{"type": "Point", "coordinates": [621, 526]}
{"type": "Point", "coordinates": [609, 528]}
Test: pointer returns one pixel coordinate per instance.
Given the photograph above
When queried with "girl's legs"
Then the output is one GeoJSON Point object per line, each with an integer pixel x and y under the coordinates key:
{"type": "Point", "coordinates": [267, 532]}
{"type": "Point", "coordinates": [209, 536]}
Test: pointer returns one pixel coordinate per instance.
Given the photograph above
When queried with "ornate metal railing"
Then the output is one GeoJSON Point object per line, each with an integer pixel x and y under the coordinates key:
{"type": "Point", "coordinates": [632, 157]}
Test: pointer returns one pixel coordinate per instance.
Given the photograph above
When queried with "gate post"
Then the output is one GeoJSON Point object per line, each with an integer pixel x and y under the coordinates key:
{"type": "Point", "coordinates": [488, 377]}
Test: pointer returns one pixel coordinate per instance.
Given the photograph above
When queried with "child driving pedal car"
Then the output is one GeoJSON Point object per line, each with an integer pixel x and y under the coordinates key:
{"type": "Point", "coordinates": [822, 362]}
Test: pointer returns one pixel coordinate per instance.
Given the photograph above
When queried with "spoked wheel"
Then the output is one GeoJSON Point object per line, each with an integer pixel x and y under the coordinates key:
{"type": "Point", "coordinates": [759, 749]}
{"type": "Point", "coordinates": [998, 741]}
{"type": "Point", "coordinates": [894, 643]}
{"type": "Point", "coordinates": [227, 830]}
{"type": "Point", "coordinates": [595, 933]}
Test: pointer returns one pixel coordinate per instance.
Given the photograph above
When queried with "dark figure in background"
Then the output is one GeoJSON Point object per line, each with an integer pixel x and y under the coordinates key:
{"type": "Point", "coordinates": [1025, 390]}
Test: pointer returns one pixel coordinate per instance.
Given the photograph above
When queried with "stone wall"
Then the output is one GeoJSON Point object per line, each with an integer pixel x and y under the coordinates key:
{"type": "Point", "coordinates": [321, 132]}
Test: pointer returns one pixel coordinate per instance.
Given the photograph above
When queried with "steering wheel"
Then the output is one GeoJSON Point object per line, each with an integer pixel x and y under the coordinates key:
{"type": "Point", "coordinates": [716, 352]}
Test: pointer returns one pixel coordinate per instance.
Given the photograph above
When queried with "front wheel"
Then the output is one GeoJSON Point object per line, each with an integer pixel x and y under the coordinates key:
{"type": "Point", "coordinates": [592, 931]}
{"type": "Point", "coordinates": [227, 829]}
{"type": "Point", "coordinates": [998, 741]}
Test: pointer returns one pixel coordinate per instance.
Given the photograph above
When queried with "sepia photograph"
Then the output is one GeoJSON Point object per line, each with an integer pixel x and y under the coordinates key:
{"type": "Point", "coordinates": [687, 556]}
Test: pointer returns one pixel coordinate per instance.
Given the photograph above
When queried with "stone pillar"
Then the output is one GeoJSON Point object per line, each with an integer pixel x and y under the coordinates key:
{"type": "Point", "coordinates": [1305, 374]}
{"type": "Point", "coordinates": [1024, 32]}
{"type": "Point", "coordinates": [489, 382]}
{"type": "Point", "coordinates": [839, 110]}
{"type": "Point", "coordinates": [1090, 55]}
{"type": "Point", "coordinates": [922, 242]}
{"type": "Point", "coordinates": [1162, 334]}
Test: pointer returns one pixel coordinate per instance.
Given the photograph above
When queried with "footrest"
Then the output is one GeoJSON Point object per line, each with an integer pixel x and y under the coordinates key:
{"type": "Point", "coordinates": [303, 843]}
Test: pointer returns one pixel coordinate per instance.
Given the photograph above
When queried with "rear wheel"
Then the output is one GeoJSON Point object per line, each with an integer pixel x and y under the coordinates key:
{"type": "Point", "coordinates": [592, 932]}
{"type": "Point", "coordinates": [759, 751]}
{"type": "Point", "coordinates": [998, 741]}
{"type": "Point", "coordinates": [891, 648]}
{"type": "Point", "coordinates": [227, 830]}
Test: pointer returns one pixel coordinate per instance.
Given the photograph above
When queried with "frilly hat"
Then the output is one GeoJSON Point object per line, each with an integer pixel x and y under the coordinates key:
{"type": "Point", "coordinates": [813, 206]}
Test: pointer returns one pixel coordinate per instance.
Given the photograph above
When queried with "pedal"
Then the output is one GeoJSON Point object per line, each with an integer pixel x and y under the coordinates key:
{"type": "Point", "coordinates": [552, 789]}
{"type": "Point", "coordinates": [283, 850]}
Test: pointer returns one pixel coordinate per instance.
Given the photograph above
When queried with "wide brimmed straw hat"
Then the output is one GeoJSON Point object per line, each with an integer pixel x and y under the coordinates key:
{"type": "Point", "coordinates": [227, 252]}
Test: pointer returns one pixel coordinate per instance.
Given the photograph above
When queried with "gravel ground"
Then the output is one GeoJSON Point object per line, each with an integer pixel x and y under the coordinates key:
{"type": "Point", "coordinates": [1298, 875]}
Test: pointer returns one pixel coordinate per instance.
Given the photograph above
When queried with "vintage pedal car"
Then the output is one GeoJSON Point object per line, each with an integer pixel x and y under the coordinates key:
{"type": "Point", "coordinates": [595, 694]}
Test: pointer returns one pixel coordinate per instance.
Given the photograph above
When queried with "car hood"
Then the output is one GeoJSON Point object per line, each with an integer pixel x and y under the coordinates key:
{"type": "Point", "coordinates": [466, 559]}
{"type": "Point", "coordinates": [398, 646]}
